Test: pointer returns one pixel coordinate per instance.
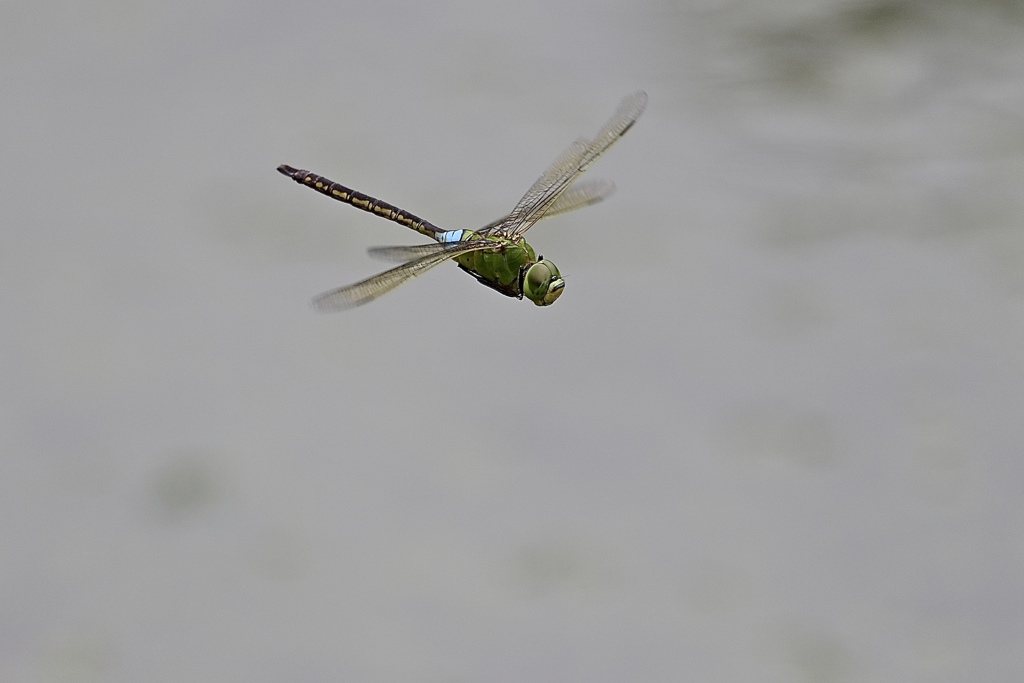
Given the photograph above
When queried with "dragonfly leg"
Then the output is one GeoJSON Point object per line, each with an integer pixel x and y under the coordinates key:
{"type": "Point", "coordinates": [496, 287]}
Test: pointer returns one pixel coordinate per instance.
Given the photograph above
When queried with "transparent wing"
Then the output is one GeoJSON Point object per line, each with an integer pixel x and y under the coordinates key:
{"type": "Point", "coordinates": [382, 283]}
{"type": "Point", "coordinates": [566, 160]}
{"type": "Point", "coordinates": [576, 197]}
{"type": "Point", "coordinates": [583, 193]}
{"type": "Point", "coordinates": [568, 166]}
{"type": "Point", "coordinates": [403, 254]}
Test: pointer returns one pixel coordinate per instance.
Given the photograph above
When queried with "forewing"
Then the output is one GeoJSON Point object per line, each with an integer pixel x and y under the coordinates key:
{"type": "Point", "coordinates": [560, 167]}
{"type": "Point", "coordinates": [568, 166]}
{"type": "Point", "coordinates": [369, 289]}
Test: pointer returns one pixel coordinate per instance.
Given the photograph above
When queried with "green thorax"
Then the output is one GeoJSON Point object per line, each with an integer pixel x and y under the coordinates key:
{"type": "Point", "coordinates": [501, 268]}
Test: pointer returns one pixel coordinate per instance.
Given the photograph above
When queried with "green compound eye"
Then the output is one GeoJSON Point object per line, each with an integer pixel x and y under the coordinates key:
{"type": "Point", "coordinates": [543, 283]}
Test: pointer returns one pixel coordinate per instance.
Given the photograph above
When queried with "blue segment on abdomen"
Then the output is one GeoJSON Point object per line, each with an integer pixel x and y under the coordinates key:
{"type": "Point", "coordinates": [450, 236]}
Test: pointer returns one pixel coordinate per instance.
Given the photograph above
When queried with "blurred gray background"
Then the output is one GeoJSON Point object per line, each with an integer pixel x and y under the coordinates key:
{"type": "Point", "coordinates": [771, 432]}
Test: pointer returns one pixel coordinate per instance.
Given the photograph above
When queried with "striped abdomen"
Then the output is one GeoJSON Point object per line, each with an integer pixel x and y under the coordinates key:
{"type": "Point", "coordinates": [361, 201]}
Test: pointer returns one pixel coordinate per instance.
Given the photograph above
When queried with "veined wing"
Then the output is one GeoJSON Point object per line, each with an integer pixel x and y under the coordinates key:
{"type": "Point", "coordinates": [576, 197]}
{"type": "Point", "coordinates": [568, 166]}
{"type": "Point", "coordinates": [403, 254]}
{"type": "Point", "coordinates": [369, 289]}
{"type": "Point", "coordinates": [583, 193]}
{"type": "Point", "coordinates": [566, 160]}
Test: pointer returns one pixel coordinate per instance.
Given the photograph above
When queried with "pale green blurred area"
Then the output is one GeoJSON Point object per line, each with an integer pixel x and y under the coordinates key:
{"type": "Point", "coordinates": [771, 432]}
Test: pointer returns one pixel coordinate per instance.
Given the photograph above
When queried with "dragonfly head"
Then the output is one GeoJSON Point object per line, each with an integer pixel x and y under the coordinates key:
{"type": "Point", "coordinates": [542, 283]}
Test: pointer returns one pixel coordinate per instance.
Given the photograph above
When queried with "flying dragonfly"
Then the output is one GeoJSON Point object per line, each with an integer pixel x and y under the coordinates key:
{"type": "Point", "coordinates": [497, 255]}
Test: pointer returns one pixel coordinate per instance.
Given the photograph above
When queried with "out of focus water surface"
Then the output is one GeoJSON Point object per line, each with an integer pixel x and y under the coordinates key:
{"type": "Point", "coordinates": [771, 432]}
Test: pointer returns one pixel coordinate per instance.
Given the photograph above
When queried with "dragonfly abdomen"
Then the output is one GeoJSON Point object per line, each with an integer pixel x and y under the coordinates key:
{"type": "Point", "coordinates": [360, 201]}
{"type": "Point", "coordinates": [454, 236]}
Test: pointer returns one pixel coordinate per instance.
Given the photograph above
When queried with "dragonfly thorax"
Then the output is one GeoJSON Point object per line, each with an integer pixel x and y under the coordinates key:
{"type": "Point", "coordinates": [542, 283]}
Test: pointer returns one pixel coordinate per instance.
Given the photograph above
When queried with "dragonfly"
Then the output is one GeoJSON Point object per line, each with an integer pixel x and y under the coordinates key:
{"type": "Point", "coordinates": [497, 255]}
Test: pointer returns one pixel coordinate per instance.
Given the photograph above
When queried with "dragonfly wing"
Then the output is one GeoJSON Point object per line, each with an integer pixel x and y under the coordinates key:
{"type": "Point", "coordinates": [369, 289]}
{"type": "Point", "coordinates": [568, 166]}
{"type": "Point", "coordinates": [565, 162]}
{"type": "Point", "coordinates": [402, 254]}
{"type": "Point", "coordinates": [583, 193]}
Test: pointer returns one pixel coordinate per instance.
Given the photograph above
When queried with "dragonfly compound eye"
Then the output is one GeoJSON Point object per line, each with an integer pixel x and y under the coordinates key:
{"type": "Point", "coordinates": [543, 283]}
